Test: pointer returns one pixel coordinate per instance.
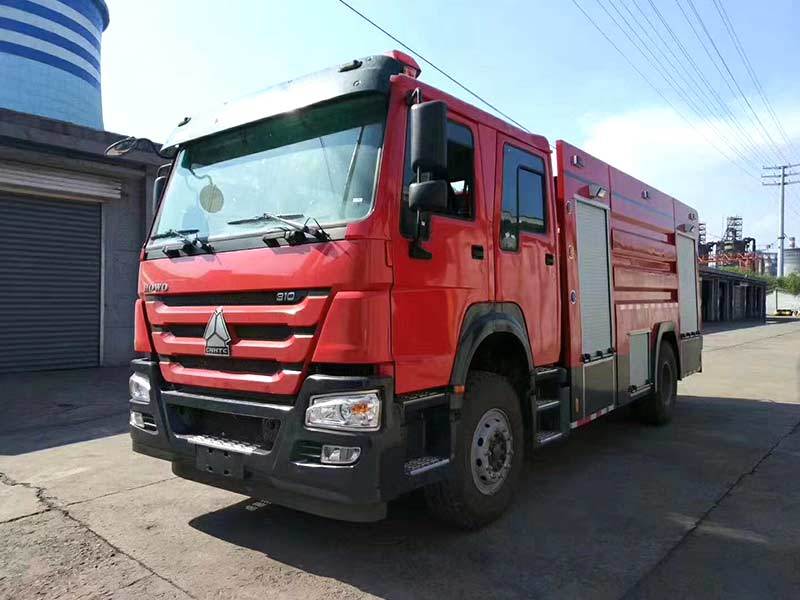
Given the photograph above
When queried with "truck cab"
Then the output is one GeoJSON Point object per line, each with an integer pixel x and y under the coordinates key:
{"type": "Point", "coordinates": [356, 285]}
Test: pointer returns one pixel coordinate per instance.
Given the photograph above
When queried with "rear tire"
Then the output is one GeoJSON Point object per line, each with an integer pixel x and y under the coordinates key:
{"type": "Point", "coordinates": [656, 409]}
{"type": "Point", "coordinates": [488, 457]}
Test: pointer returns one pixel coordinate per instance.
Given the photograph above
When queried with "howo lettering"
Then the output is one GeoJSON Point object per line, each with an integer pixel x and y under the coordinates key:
{"type": "Point", "coordinates": [357, 285]}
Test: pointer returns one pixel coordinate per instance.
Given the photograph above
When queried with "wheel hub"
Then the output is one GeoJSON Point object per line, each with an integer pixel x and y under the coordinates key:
{"type": "Point", "coordinates": [491, 451]}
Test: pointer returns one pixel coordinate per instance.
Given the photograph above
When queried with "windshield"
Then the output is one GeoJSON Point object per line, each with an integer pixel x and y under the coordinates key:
{"type": "Point", "coordinates": [315, 163]}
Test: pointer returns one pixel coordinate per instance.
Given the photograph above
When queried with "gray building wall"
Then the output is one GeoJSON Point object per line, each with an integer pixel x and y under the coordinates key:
{"type": "Point", "coordinates": [39, 142]}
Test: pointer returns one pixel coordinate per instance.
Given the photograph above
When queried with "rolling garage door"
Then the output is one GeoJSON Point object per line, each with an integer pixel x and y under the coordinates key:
{"type": "Point", "coordinates": [50, 274]}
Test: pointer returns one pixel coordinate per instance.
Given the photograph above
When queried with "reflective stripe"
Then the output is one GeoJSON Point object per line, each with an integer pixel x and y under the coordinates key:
{"type": "Point", "coordinates": [51, 49]}
{"type": "Point", "coordinates": [47, 59]}
{"type": "Point", "coordinates": [592, 417]}
{"type": "Point", "coordinates": [21, 16]}
{"type": "Point", "coordinates": [56, 17]}
{"type": "Point", "coordinates": [47, 36]}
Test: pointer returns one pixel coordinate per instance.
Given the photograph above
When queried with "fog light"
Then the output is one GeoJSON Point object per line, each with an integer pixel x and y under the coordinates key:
{"type": "Point", "coordinates": [340, 455]}
{"type": "Point", "coordinates": [137, 420]}
{"type": "Point", "coordinates": [139, 388]}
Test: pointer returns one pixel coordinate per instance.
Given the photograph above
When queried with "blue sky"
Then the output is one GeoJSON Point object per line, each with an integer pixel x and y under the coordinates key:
{"type": "Point", "coordinates": [541, 62]}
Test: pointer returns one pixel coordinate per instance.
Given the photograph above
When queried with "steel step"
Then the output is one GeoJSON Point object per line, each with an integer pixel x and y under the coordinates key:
{"type": "Point", "coordinates": [545, 373]}
{"type": "Point", "coordinates": [545, 404]}
{"type": "Point", "coordinates": [415, 466]}
{"type": "Point", "coordinates": [209, 441]}
{"type": "Point", "coordinates": [545, 437]}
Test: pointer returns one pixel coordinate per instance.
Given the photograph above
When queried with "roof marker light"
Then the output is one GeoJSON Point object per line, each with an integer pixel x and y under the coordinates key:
{"type": "Point", "coordinates": [411, 67]}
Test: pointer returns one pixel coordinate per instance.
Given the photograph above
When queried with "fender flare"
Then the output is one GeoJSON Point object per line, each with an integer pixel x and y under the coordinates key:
{"type": "Point", "coordinates": [665, 327]}
{"type": "Point", "coordinates": [481, 321]}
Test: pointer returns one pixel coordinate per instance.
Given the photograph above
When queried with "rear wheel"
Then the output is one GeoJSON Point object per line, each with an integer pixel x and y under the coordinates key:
{"type": "Point", "coordinates": [656, 409]}
{"type": "Point", "coordinates": [488, 457]}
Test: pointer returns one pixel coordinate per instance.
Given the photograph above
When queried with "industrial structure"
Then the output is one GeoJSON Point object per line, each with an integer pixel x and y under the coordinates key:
{"type": "Point", "coordinates": [791, 258]}
{"type": "Point", "coordinates": [728, 295]}
{"type": "Point", "coordinates": [50, 59]}
{"type": "Point", "coordinates": [71, 219]}
{"type": "Point", "coordinates": [733, 250]}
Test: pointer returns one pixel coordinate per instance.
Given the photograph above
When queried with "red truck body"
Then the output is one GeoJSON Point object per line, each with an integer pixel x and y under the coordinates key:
{"type": "Point", "coordinates": [572, 306]}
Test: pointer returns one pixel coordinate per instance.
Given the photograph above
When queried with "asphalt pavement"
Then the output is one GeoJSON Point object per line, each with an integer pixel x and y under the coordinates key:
{"type": "Point", "coordinates": [708, 506]}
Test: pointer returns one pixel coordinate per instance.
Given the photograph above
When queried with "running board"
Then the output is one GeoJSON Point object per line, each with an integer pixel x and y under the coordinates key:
{"type": "Point", "coordinates": [546, 404]}
{"type": "Point", "coordinates": [416, 466]}
{"type": "Point", "coordinates": [546, 373]}
{"type": "Point", "coordinates": [545, 437]}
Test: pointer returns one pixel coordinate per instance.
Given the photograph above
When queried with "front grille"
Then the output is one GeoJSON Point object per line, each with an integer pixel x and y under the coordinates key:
{"type": "Point", "coordinates": [232, 365]}
{"type": "Point", "coordinates": [267, 333]}
{"type": "Point", "coordinates": [307, 452]}
{"type": "Point", "coordinates": [239, 299]}
{"type": "Point", "coordinates": [343, 370]}
{"type": "Point", "coordinates": [272, 333]}
{"type": "Point", "coordinates": [229, 394]}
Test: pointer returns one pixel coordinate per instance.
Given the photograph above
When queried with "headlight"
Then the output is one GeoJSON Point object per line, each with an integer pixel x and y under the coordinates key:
{"type": "Point", "coordinates": [358, 411]}
{"type": "Point", "coordinates": [139, 388]}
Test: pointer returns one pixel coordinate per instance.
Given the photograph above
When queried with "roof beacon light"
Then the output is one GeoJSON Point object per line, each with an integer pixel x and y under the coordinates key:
{"type": "Point", "coordinates": [411, 67]}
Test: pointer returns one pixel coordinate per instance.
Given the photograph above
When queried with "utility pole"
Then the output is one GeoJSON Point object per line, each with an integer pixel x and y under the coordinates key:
{"type": "Point", "coordinates": [768, 179]}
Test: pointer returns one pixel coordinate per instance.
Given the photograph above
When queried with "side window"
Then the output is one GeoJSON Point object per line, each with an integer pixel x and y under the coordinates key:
{"type": "Point", "coordinates": [460, 176]}
{"type": "Point", "coordinates": [524, 196]}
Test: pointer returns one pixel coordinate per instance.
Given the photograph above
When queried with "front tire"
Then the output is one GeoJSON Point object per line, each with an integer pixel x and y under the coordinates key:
{"type": "Point", "coordinates": [488, 458]}
{"type": "Point", "coordinates": [657, 408]}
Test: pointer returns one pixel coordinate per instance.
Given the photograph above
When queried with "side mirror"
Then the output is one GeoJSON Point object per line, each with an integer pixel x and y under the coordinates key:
{"type": "Point", "coordinates": [428, 195]}
{"type": "Point", "coordinates": [122, 146]}
{"type": "Point", "coordinates": [428, 130]}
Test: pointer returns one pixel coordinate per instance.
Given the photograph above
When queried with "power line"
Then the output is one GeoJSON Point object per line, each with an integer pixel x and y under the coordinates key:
{"type": "Point", "coordinates": [667, 78]}
{"type": "Point", "coordinates": [775, 148]}
{"type": "Point", "coordinates": [750, 71]}
{"type": "Point", "coordinates": [701, 93]}
{"type": "Point", "coordinates": [431, 64]}
{"type": "Point", "coordinates": [714, 93]}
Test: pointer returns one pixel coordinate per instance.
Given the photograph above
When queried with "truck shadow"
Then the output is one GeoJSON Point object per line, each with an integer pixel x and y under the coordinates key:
{"type": "Point", "coordinates": [53, 408]}
{"type": "Point", "coordinates": [591, 517]}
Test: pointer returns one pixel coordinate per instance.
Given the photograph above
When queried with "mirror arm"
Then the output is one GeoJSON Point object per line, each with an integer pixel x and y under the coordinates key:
{"type": "Point", "coordinates": [415, 249]}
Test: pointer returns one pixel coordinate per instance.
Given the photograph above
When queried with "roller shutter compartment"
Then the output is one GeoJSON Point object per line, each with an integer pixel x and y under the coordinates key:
{"type": "Point", "coordinates": [595, 279]}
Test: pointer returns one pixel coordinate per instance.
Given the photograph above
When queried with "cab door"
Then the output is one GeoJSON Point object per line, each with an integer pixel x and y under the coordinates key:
{"type": "Point", "coordinates": [430, 296]}
{"type": "Point", "coordinates": [526, 252]}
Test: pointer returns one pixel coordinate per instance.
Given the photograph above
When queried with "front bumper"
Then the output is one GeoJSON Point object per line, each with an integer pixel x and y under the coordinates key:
{"type": "Point", "coordinates": [287, 473]}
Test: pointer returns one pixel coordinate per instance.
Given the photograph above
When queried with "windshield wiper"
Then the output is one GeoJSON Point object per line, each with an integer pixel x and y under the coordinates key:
{"type": "Point", "coordinates": [181, 233]}
{"type": "Point", "coordinates": [303, 228]}
{"type": "Point", "coordinates": [187, 244]}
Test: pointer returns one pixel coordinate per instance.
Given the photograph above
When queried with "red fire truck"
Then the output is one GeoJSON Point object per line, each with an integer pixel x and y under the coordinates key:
{"type": "Point", "coordinates": [357, 285]}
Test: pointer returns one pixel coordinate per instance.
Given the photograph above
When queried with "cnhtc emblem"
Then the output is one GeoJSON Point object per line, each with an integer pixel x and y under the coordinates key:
{"type": "Point", "coordinates": [218, 340]}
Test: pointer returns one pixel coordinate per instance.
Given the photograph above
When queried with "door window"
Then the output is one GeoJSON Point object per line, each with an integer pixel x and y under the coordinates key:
{"type": "Point", "coordinates": [460, 176]}
{"type": "Point", "coordinates": [524, 196]}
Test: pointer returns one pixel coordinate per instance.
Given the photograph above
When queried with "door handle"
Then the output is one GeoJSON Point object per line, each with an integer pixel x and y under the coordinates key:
{"type": "Point", "coordinates": [549, 259]}
{"type": "Point", "coordinates": [477, 252]}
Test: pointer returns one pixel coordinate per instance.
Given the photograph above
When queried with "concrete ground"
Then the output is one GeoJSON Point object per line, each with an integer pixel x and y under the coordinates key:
{"type": "Point", "coordinates": [708, 506]}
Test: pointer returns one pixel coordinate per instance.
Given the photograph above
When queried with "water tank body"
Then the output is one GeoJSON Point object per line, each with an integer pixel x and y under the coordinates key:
{"type": "Point", "coordinates": [50, 58]}
{"type": "Point", "coordinates": [791, 261]}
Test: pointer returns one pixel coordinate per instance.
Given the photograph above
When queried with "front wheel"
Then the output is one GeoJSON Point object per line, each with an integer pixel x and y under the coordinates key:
{"type": "Point", "coordinates": [488, 457]}
{"type": "Point", "coordinates": [656, 409]}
